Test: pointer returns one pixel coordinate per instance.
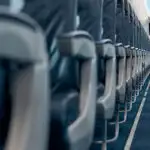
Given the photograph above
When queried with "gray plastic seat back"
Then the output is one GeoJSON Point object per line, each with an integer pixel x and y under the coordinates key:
{"type": "Point", "coordinates": [121, 78]}
{"type": "Point", "coordinates": [134, 63]}
{"type": "Point", "coordinates": [143, 59]}
{"type": "Point", "coordinates": [138, 62]}
{"type": "Point", "coordinates": [106, 102]}
{"type": "Point", "coordinates": [128, 64]}
{"type": "Point", "coordinates": [80, 45]}
{"type": "Point", "coordinates": [22, 42]}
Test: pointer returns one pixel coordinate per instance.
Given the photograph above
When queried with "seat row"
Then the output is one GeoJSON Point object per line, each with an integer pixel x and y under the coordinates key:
{"type": "Point", "coordinates": [69, 97]}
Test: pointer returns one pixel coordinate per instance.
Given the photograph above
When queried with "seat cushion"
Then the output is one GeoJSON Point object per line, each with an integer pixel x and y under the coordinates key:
{"type": "Point", "coordinates": [65, 110]}
{"type": "Point", "coordinates": [69, 103]}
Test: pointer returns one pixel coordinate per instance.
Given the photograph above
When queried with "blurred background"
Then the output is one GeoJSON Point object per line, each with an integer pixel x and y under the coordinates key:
{"type": "Point", "coordinates": [141, 7]}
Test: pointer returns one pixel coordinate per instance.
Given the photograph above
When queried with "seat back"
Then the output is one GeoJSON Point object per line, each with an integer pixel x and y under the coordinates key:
{"type": "Point", "coordinates": [131, 41]}
{"type": "Point", "coordinates": [138, 62]}
{"type": "Point", "coordinates": [120, 53]}
{"type": "Point", "coordinates": [109, 20]}
{"type": "Point", "coordinates": [80, 46]}
{"type": "Point", "coordinates": [22, 49]}
{"type": "Point", "coordinates": [74, 79]}
{"type": "Point", "coordinates": [129, 68]}
{"type": "Point", "coordinates": [106, 101]}
{"type": "Point", "coordinates": [107, 63]}
{"type": "Point", "coordinates": [134, 62]}
{"type": "Point", "coordinates": [121, 82]}
{"type": "Point", "coordinates": [128, 43]}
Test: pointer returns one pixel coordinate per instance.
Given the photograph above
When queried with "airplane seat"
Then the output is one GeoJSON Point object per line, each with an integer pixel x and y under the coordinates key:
{"type": "Point", "coordinates": [141, 69]}
{"type": "Point", "coordinates": [143, 66]}
{"type": "Point", "coordinates": [131, 58]}
{"type": "Point", "coordinates": [129, 44]}
{"type": "Point", "coordinates": [134, 70]}
{"type": "Point", "coordinates": [90, 21]}
{"type": "Point", "coordinates": [106, 88]}
{"type": "Point", "coordinates": [103, 48]}
{"type": "Point", "coordinates": [122, 36]}
{"type": "Point", "coordinates": [121, 39]}
{"type": "Point", "coordinates": [121, 82]}
{"type": "Point", "coordinates": [124, 32]}
{"type": "Point", "coordinates": [137, 71]}
{"type": "Point", "coordinates": [80, 46]}
{"type": "Point", "coordinates": [129, 69]}
{"type": "Point", "coordinates": [101, 63]}
{"type": "Point", "coordinates": [106, 55]}
{"type": "Point", "coordinates": [105, 63]}
{"type": "Point", "coordinates": [24, 65]}
{"type": "Point", "coordinates": [74, 76]}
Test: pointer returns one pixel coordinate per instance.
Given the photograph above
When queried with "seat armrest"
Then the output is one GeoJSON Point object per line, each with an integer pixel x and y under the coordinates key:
{"type": "Point", "coordinates": [105, 49]}
{"type": "Point", "coordinates": [70, 45]}
{"type": "Point", "coordinates": [120, 50]}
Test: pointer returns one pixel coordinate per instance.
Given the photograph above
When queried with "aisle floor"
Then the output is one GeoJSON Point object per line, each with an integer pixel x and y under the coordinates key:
{"type": "Point", "coordinates": [134, 137]}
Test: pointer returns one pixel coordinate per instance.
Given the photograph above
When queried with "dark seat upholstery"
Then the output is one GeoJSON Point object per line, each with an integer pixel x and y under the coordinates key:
{"type": "Point", "coordinates": [68, 103]}
{"type": "Point", "coordinates": [23, 66]}
{"type": "Point", "coordinates": [66, 87]}
{"type": "Point", "coordinates": [57, 18]}
{"type": "Point", "coordinates": [101, 76]}
{"type": "Point", "coordinates": [8, 71]}
{"type": "Point", "coordinates": [63, 70]}
{"type": "Point", "coordinates": [90, 20]}
{"type": "Point", "coordinates": [4, 104]}
{"type": "Point", "coordinates": [2, 84]}
{"type": "Point", "coordinates": [65, 98]}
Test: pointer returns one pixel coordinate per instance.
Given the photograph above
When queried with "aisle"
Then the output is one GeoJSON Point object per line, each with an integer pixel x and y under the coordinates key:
{"type": "Point", "coordinates": [125, 128]}
{"type": "Point", "coordinates": [141, 140]}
